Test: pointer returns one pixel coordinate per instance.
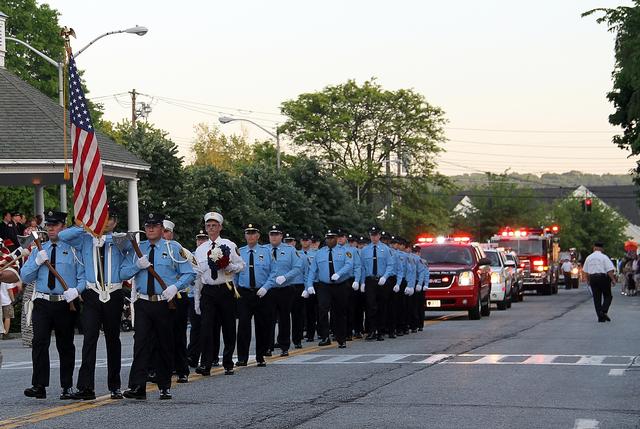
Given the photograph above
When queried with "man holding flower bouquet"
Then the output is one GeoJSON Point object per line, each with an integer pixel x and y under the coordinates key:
{"type": "Point", "coordinates": [218, 261]}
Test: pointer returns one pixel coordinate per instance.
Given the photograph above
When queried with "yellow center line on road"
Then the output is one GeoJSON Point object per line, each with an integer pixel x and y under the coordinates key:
{"type": "Point", "coordinates": [76, 407]}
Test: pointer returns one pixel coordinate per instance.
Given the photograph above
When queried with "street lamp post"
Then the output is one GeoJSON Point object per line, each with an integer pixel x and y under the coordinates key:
{"type": "Point", "coordinates": [140, 31]}
{"type": "Point", "coordinates": [227, 119]}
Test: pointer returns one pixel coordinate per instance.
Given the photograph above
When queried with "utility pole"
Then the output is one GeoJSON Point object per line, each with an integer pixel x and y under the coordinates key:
{"type": "Point", "coordinates": [133, 108]}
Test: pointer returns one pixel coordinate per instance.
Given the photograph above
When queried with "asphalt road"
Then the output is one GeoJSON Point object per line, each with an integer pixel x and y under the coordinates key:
{"type": "Point", "coordinates": [545, 363]}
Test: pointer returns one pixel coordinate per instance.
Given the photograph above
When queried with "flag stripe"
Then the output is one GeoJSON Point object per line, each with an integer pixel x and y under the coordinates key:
{"type": "Point", "coordinates": [89, 190]}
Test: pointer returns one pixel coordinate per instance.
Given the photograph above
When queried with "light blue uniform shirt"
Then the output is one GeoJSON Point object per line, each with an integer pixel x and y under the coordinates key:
{"type": "Point", "coordinates": [68, 265]}
{"type": "Point", "coordinates": [319, 269]}
{"type": "Point", "coordinates": [263, 267]}
{"type": "Point", "coordinates": [288, 263]}
{"type": "Point", "coordinates": [173, 273]}
{"type": "Point", "coordinates": [411, 269]}
{"type": "Point", "coordinates": [401, 265]}
{"type": "Point", "coordinates": [385, 260]}
{"type": "Point", "coordinates": [357, 263]}
{"type": "Point", "coordinates": [83, 243]}
{"type": "Point", "coordinates": [423, 272]}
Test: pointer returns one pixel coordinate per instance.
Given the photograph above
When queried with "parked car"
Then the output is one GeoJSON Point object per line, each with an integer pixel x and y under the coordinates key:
{"type": "Point", "coordinates": [517, 275]}
{"type": "Point", "coordinates": [501, 280]}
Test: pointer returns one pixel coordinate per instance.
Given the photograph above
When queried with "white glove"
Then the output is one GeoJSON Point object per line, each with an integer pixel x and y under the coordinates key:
{"type": "Point", "coordinates": [335, 277]}
{"type": "Point", "coordinates": [261, 292]}
{"type": "Point", "coordinates": [305, 294]}
{"type": "Point", "coordinates": [362, 287]}
{"type": "Point", "coordinates": [143, 263]}
{"type": "Point", "coordinates": [134, 295]}
{"type": "Point", "coordinates": [408, 291]}
{"type": "Point", "coordinates": [396, 288]}
{"type": "Point", "coordinates": [42, 257]}
{"type": "Point", "coordinates": [418, 288]}
{"type": "Point", "coordinates": [281, 279]}
{"type": "Point", "coordinates": [70, 294]}
{"type": "Point", "coordinates": [382, 281]}
{"type": "Point", "coordinates": [311, 291]}
{"type": "Point", "coordinates": [169, 292]}
{"type": "Point", "coordinates": [355, 286]}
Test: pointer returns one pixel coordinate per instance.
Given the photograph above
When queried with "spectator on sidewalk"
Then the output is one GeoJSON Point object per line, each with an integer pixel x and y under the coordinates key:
{"type": "Point", "coordinates": [6, 301]}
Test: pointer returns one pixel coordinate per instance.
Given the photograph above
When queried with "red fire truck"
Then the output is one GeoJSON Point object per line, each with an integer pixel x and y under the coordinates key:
{"type": "Point", "coordinates": [538, 251]}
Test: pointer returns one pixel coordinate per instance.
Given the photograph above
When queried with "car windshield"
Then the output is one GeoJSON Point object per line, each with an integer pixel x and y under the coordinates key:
{"type": "Point", "coordinates": [523, 247]}
{"type": "Point", "coordinates": [494, 258]}
{"type": "Point", "coordinates": [447, 254]}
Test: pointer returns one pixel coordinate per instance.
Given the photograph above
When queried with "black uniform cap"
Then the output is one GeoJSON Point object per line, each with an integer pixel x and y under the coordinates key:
{"type": "Point", "coordinates": [154, 219]}
{"type": "Point", "coordinates": [276, 229]}
{"type": "Point", "coordinates": [55, 217]}
{"type": "Point", "coordinates": [251, 227]}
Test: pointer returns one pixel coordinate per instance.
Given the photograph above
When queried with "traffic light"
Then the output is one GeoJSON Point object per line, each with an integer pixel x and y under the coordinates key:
{"type": "Point", "coordinates": [587, 204]}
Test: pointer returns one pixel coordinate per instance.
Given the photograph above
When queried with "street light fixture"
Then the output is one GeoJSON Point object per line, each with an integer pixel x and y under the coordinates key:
{"type": "Point", "coordinates": [227, 119]}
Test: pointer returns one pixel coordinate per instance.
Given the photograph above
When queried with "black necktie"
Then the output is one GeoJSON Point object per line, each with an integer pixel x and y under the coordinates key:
{"type": "Point", "coordinates": [332, 271]}
{"type": "Point", "coordinates": [151, 290]}
{"type": "Point", "coordinates": [51, 282]}
{"type": "Point", "coordinates": [275, 253]}
{"type": "Point", "coordinates": [252, 271]}
{"type": "Point", "coordinates": [101, 257]}
{"type": "Point", "coordinates": [375, 260]}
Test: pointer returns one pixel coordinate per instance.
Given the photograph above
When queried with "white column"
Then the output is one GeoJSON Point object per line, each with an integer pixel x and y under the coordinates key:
{"type": "Point", "coordinates": [132, 206]}
{"type": "Point", "coordinates": [39, 200]}
{"type": "Point", "coordinates": [3, 43]}
{"type": "Point", "coordinates": [63, 197]}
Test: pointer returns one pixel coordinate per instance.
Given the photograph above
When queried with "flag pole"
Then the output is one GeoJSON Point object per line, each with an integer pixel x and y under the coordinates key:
{"type": "Point", "coordinates": [65, 32]}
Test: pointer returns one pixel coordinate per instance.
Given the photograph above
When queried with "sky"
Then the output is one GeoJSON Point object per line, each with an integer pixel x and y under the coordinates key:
{"type": "Point", "coordinates": [523, 84]}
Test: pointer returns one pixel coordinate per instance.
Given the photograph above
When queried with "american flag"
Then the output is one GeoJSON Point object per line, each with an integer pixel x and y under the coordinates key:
{"type": "Point", "coordinates": [89, 193]}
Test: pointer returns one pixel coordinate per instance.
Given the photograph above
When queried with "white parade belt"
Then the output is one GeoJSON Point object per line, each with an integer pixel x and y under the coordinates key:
{"type": "Point", "coordinates": [104, 295]}
{"type": "Point", "coordinates": [48, 297]}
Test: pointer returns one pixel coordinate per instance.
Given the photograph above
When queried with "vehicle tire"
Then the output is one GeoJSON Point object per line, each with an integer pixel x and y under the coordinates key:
{"type": "Point", "coordinates": [475, 313]}
{"type": "Point", "coordinates": [554, 288]}
{"type": "Point", "coordinates": [510, 299]}
{"type": "Point", "coordinates": [485, 310]}
{"type": "Point", "coordinates": [502, 305]}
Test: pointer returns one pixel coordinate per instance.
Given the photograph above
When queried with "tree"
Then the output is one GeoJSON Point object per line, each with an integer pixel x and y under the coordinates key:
{"type": "Point", "coordinates": [357, 129]}
{"type": "Point", "coordinates": [20, 198]}
{"type": "Point", "coordinates": [499, 203]}
{"type": "Point", "coordinates": [581, 229]}
{"type": "Point", "coordinates": [214, 148]}
{"type": "Point", "coordinates": [624, 21]}
{"type": "Point", "coordinates": [161, 188]}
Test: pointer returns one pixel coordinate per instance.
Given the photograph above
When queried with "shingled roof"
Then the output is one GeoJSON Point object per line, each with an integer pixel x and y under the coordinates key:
{"type": "Point", "coordinates": [31, 132]}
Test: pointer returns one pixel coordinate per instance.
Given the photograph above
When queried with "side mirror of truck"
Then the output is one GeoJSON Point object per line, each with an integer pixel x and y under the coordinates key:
{"type": "Point", "coordinates": [484, 261]}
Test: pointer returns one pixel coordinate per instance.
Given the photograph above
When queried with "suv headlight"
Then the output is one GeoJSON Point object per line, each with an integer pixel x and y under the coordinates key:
{"type": "Point", "coordinates": [465, 278]}
{"type": "Point", "coordinates": [496, 278]}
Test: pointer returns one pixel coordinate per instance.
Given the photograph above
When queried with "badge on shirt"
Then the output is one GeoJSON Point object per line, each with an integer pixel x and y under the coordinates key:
{"type": "Point", "coordinates": [261, 257]}
{"type": "Point", "coordinates": [349, 254]}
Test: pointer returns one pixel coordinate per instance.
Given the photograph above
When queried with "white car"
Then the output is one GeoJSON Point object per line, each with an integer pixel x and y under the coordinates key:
{"type": "Point", "coordinates": [501, 279]}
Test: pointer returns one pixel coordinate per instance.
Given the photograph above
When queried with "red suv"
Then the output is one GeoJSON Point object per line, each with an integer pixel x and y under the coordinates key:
{"type": "Point", "coordinates": [459, 276]}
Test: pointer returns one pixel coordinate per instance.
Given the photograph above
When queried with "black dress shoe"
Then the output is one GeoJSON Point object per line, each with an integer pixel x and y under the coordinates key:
{"type": "Point", "coordinates": [284, 353]}
{"type": "Point", "coordinates": [398, 333]}
{"type": "Point", "coordinates": [182, 379]}
{"type": "Point", "coordinates": [84, 394]}
{"type": "Point", "coordinates": [413, 331]}
{"type": "Point", "coordinates": [310, 340]}
{"type": "Point", "coordinates": [342, 345]}
{"type": "Point", "coordinates": [392, 336]}
{"type": "Point", "coordinates": [137, 392]}
{"type": "Point", "coordinates": [165, 394]}
{"type": "Point", "coordinates": [116, 394]}
{"type": "Point", "coordinates": [261, 364]}
{"type": "Point", "coordinates": [215, 363]}
{"type": "Point", "coordinates": [406, 331]}
{"type": "Point", "coordinates": [203, 371]}
{"type": "Point", "coordinates": [379, 337]}
{"type": "Point", "coordinates": [241, 363]}
{"type": "Point", "coordinates": [269, 353]}
{"type": "Point", "coordinates": [69, 393]}
{"type": "Point", "coordinates": [357, 335]}
{"type": "Point", "coordinates": [228, 372]}
{"type": "Point", "coordinates": [606, 317]}
{"type": "Point", "coordinates": [349, 338]}
{"type": "Point", "coordinates": [420, 329]}
{"type": "Point", "coordinates": [325, 342]}
{"type": "Point", "coordinates": [37, 392]}
{"type": "Point", "coordinates": [370, 337]}
{"type": "Point", "coordinates": [601, 319]}
{"type": "Point", "coordinates": [297, 345]}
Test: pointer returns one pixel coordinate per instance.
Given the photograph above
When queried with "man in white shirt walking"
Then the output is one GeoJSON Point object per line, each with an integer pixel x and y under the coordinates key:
{"type": "Point", "coordinates": [600, 270]}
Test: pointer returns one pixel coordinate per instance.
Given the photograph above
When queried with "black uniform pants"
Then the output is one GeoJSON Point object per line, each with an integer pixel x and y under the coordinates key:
{"type": "Point", "coordinates": [152, 343]}
{"type": "Point", "coordinates": [333, 297]}
{"type": "Point", "coordinates": [282, 299]}
{"type": "Point", "coordinates": [250, 305]}
{"type": "Point", "coordinates": [95, 314]}
{"type": "Point", "coordinates": [311, 311]}
{"type": "Point", "coordinates": [180, 320]}
{"type": "Point", "coordinates": [416, 304]}
{"type": "Point", "coordinates": [402, 309]}
{"type": "Point", "coordinates": [376, 298]}
{"type": "Point", "coordinates": [601, 288]}
{"type": "Point", "coordinates": [392, 299]}
{"type": "Point", "coordinates": [297, 314]}
{"type": "Point", "coordinates": [193, 349]}
{"type": "Point", "coordinates": [217, 302]}
{"type": "Point", "coordinates": [567, 279]}
{"type": "Point", "coordinates": [46, 317]}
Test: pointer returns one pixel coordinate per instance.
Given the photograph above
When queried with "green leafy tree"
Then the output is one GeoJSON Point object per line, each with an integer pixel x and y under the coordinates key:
{"type": "Point", "coordinates": [356, 129]}
{"type": "Point", "coordinates": [624, 21]}
{"type": "Point", "coordinates": [581, 229]}
{"type": "Point", "coordinates": [223, 152]}
{"type": "Point", "coordinates": [499, 203]}
{"type": "Point", "coordinates": [20, 198]}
